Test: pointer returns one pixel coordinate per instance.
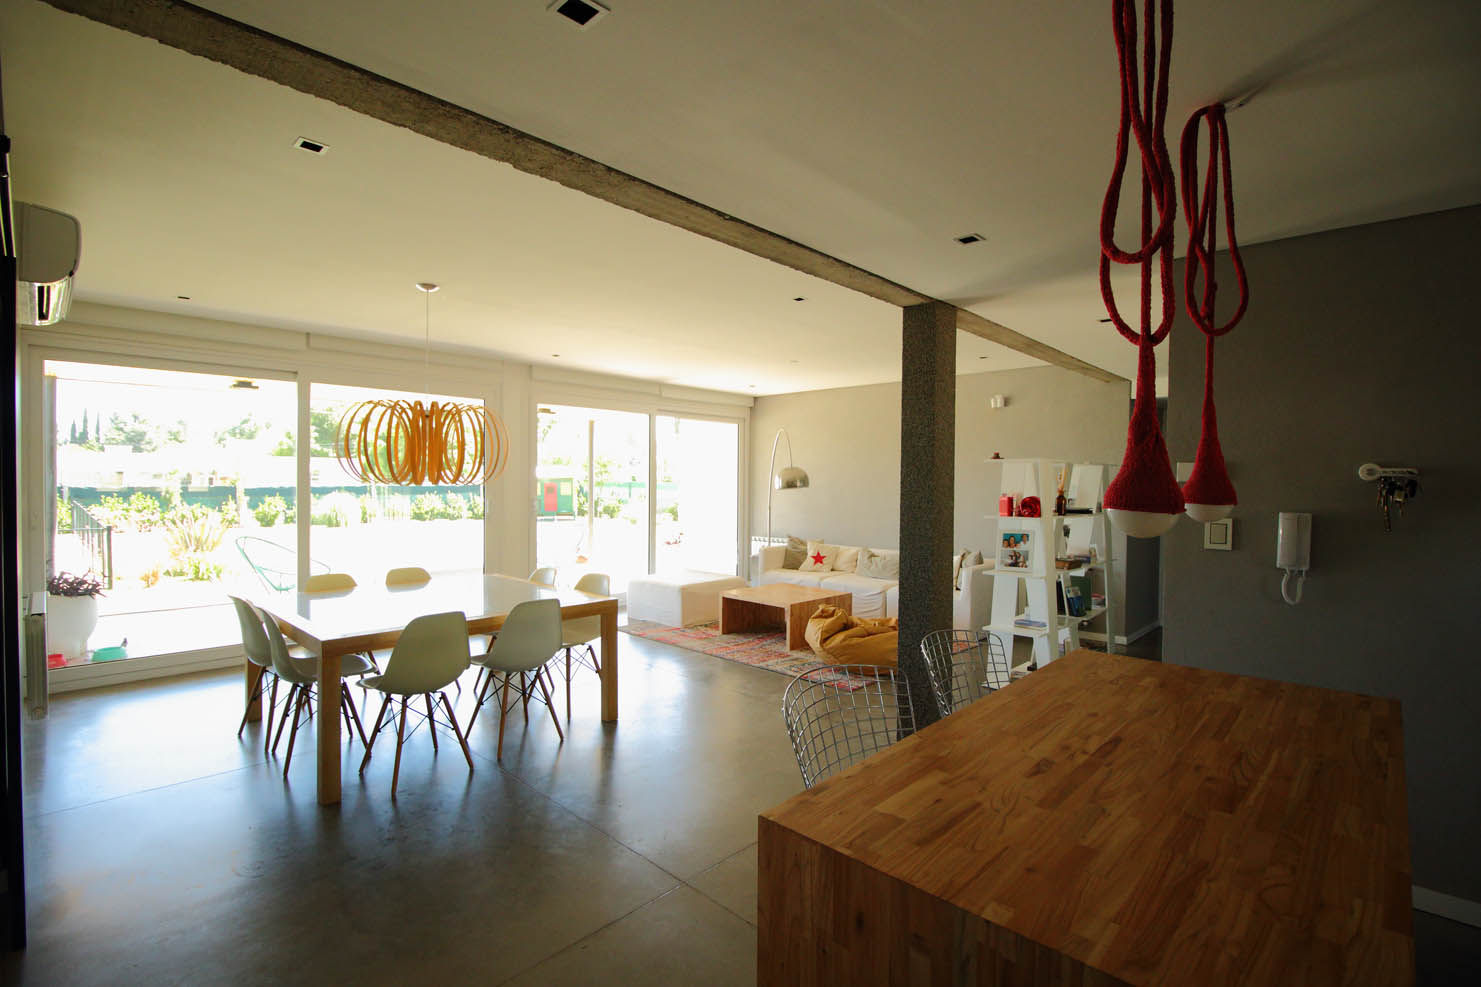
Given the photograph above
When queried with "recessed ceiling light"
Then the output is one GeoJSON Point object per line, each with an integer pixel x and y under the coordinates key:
{"type": "Point", "coordinates": [980, 358]}
{"type": "Point", "coordinates": [183, 298]}
{"type": "Point", "coordinates": [582, 13]}
{"type": "Point", "coordinates": [799, 298]}
{"type": "Point", "coordinates": [967, 238]}
{"type": "Point", "coordinates": [1105, 320]}
{"type": "Point", "coordinates": [312, 146]}
{"type": "Point", "coordinates": [792, 361]}
{"type": "Point", "coordinates": [556, 355]}
{"type": "Point", "coordinates": [244, 385]}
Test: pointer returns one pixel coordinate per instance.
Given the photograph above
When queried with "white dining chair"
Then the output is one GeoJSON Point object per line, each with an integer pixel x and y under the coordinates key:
{"type": "Point", "coordinates": [577, 633]}
{"type": "Point", "coordinates": [255, 647]}
{"type": "Point", "coordinates": [544, 576]}
{"type": "Point", "coordinates": [530, 637]}
{"type": "Point", "coordinates": [302, 675]}
{"type": "Point", "coordinates": [429, 656]}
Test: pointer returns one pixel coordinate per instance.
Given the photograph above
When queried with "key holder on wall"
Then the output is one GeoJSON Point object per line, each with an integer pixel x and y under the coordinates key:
{"type": "Point", "coordinates": [1397, 485]}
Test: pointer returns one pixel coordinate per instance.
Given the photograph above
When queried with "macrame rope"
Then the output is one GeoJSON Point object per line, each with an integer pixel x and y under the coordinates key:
{"type": "Point", "coordinates": [1209, 482]}
{"type": "Point", "coordinates": [1203, 222]}
{"type": "Point", "coordinates": [1143, 116]}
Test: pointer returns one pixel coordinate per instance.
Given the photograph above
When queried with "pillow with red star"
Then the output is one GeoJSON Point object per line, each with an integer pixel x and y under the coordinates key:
{"type": "Point", "coordinates": [819, 558]}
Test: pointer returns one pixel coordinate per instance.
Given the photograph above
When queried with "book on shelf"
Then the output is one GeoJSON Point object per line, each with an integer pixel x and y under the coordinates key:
{"type": "Point", "coordinates": [1029, 622]}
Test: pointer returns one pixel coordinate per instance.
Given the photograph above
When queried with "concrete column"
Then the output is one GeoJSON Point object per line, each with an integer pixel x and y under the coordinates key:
{"type": "Point", "coordinates": [927, 478]}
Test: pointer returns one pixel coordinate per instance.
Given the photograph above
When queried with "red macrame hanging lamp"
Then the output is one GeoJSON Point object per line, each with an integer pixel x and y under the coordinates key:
{"type": "Point", "coordinates": [1144, 499]}
{"type": "Point", "coordinates": [1209, 493]}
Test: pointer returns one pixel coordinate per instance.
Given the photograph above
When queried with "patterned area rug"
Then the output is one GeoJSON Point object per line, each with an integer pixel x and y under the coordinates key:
{"type": "Point", "coordinates": [763, 649]}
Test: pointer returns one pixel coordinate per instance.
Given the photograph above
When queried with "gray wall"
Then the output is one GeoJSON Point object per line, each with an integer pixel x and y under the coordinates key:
{"type": "Point", "coordinates": [848, 440]}
{"type": "Point", "coordinates": [1360, 345]}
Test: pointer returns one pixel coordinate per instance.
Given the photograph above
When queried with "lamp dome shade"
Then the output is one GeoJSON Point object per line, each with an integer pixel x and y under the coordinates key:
{"type": "Point", "coordinates": [1144, 499]}
{"type": "Point", "coordinates": [790, 478]}
{"type": "Point", "coordinates": [1209, 492]}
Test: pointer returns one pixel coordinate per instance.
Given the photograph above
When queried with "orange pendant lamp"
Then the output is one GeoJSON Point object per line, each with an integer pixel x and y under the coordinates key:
{"type": "Point", "coordinates": [412, 443]}
{"type": "Point", "coordinates": [1209, 492]}
{"type": "Point", "coordinates": [1144, 499]}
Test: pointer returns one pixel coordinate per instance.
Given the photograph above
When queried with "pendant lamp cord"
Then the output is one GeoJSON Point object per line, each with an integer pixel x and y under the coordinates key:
{"type": "Point", "coordinates": [1143, 115]}
{"type": "Point", "coordinates": [1201, 213]}
{"type": "Point", "coordinates": [427, 347]}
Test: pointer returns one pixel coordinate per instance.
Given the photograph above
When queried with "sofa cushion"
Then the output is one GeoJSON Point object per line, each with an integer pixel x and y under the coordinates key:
{"type": "Point", "coordinates": [868, 593]}
{"type": "Point", "coordinates": [819, 557]}
{"type": "Point", "coordinates": [879, 565]}
{"type": "Point", "coordinates": [793, 576]}
{"type": "Point", "coordinates": [795, 552]}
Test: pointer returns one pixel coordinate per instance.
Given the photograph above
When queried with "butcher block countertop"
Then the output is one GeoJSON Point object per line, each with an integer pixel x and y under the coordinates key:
{"type": "Point", "coordinates": [1105, 820]}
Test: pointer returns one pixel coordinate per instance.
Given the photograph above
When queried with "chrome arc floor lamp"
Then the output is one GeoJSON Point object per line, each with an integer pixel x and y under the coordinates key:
{"type": "Point", "coordinates": [790, 478]}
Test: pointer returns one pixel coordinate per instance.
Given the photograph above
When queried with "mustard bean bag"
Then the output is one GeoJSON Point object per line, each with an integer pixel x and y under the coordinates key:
{"type": "Point", "coordinates": [843, 639]}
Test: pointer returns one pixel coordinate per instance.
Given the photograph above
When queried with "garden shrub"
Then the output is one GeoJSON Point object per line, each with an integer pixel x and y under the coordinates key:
{"type": "Point", "coordinates": [270, 510]}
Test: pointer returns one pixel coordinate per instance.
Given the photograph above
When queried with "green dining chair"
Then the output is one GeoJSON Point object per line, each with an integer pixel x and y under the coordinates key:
{"type": "Point", "coordinates": [530, 637]}
{"type": "Point", "coordinates": [429, 656]}
{"type": "Point", "coordinates": [302, 675]}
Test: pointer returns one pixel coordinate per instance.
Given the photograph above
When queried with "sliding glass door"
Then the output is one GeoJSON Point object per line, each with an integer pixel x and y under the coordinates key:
{"type": "Point", "coordinates": [168, 488]}
{"type": "Point", "coordinates": [698, 492]}
{"type": "Point", "coordinates": [591, 493]}
{"type": "Point", "coordinates": [593, 509]}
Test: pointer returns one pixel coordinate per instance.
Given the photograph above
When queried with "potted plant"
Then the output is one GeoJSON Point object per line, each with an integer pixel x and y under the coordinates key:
{"type": "Point", "coordinates": [71, 612]}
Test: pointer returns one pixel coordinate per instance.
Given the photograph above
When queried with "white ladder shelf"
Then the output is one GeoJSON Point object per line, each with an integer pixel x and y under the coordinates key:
{"type": "Point", "coordinates": [1056, 632]}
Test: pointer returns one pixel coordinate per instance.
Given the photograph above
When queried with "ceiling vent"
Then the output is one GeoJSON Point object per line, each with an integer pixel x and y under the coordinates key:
{"type": "Point", "coordinates": [312, 146]}
{"type": "Point", "coordinates": [582, 13]}
{"type": "Point", "coordinates": [967, 238]}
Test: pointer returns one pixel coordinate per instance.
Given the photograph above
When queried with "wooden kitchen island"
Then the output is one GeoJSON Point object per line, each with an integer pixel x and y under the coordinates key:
{"type": "Point", "coordinates": [1105, 820]}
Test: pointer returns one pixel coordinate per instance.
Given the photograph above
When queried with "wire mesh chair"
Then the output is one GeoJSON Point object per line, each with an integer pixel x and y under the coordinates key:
{"type": "Point", "coordinates": [962, 668]}
{"type": "Point", "coordinates": [835, 724]}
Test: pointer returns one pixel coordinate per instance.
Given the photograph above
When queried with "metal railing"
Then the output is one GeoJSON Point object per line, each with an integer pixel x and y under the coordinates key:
{"type": "Point", "coordinates": [96, 538]}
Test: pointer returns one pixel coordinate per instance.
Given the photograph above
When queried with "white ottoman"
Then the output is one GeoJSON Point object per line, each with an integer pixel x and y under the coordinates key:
{"type": "Point", "coordinates": [677, 599]}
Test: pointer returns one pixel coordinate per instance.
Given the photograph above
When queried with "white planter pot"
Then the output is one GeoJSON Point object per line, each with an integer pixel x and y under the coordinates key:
{"type": "Point", "coordinates": [70, 621]}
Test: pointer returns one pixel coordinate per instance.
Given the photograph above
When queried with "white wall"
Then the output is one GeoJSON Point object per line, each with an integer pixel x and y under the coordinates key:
{"type": "Point", "coordinates": [848, 440]}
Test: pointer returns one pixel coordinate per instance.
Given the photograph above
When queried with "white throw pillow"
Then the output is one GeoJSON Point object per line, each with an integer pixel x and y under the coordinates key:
{"type": "Point", "coordinates": [848, 559]}
{"type": "Point", "coordinates": [879, 565]}
{"type": "Point", "coordinates": [819, 557]}
{"type": "Point", "coordinates": [956, 569]}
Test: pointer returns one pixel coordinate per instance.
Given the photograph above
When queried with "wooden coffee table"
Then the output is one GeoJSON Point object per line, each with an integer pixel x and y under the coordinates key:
{"type": "Point", "coordinates": [756, 607]}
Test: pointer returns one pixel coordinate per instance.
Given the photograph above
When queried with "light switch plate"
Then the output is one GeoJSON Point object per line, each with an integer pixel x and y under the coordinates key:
{"type": "Point", "coordinates": [1219, 535]}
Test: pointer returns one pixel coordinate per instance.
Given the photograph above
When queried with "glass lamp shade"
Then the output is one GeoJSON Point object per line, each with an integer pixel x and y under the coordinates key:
{"type": "Point", "coordinates": [1208, 512]}
{"type": "Point", "coordinates": [1142, 524]}
{"type": "Point", "coordinates": [790, 478]}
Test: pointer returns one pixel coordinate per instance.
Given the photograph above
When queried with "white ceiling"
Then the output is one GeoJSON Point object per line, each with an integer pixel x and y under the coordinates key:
{"type": "Point", "coordinates": [875, 132]}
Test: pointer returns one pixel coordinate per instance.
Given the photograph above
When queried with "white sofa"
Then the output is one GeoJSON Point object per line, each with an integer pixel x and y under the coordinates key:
{"type": "Point", "coordinates": [971, 605]}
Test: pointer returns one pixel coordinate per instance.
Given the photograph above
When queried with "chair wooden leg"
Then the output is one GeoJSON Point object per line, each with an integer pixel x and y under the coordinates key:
{"type": "Point", "coordinates": [431, 724]}
{"type": "Point", "coordinates": [400, 736]}
{"type": "Point", "coordinates": [272, 706]}
{"type": "Point", "coordinates": [540, 681]}
{"type": "Point", "coordinates": [288, 704]}
{"type": "Point", "coordinates": [480, 696]}
{"type": "Point", "coordinates": [568, 676]}
{"type": "Point", "coordinates": [524, 692]}
{"type": "Point", "coordinates": [503, 715]}
{"type": "Point", "coordinates": [468, 755]}
{"type": "Point", "coordinates": [596, 663]}
{"type": "Point", "coordinates": [293, 734]}
{"type": "Point", "coordinates": [375, 730]}
{"type": "Point", "coordinates": [254, 697]}
{"type": "Point", "coordinates": [349, 703]}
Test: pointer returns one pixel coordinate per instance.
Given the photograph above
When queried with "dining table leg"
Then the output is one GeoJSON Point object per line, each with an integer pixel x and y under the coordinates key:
{"type": "Point", "coordinates": [254, 697]}
{"type": "Point", "coordinates": [330, 687]}
{"type": "Point", "coordinates": [609, 664]}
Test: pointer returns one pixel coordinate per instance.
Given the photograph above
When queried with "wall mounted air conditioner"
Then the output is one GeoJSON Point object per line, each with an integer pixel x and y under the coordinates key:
{"type": "Point", "coordinates": [48, 246]}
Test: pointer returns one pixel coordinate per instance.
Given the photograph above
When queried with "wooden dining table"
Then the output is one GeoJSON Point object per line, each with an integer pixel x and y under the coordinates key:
{"type": "Point", "coordinates": [366, 618]}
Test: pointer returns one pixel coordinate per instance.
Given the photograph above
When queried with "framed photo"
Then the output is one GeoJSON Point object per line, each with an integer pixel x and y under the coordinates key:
{"type": "Point", "coordinates": [1016, 549]}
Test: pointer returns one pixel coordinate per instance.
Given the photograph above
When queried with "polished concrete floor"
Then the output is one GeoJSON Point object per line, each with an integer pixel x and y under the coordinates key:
{"type": "Point", "coordinates": [161, 849]}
